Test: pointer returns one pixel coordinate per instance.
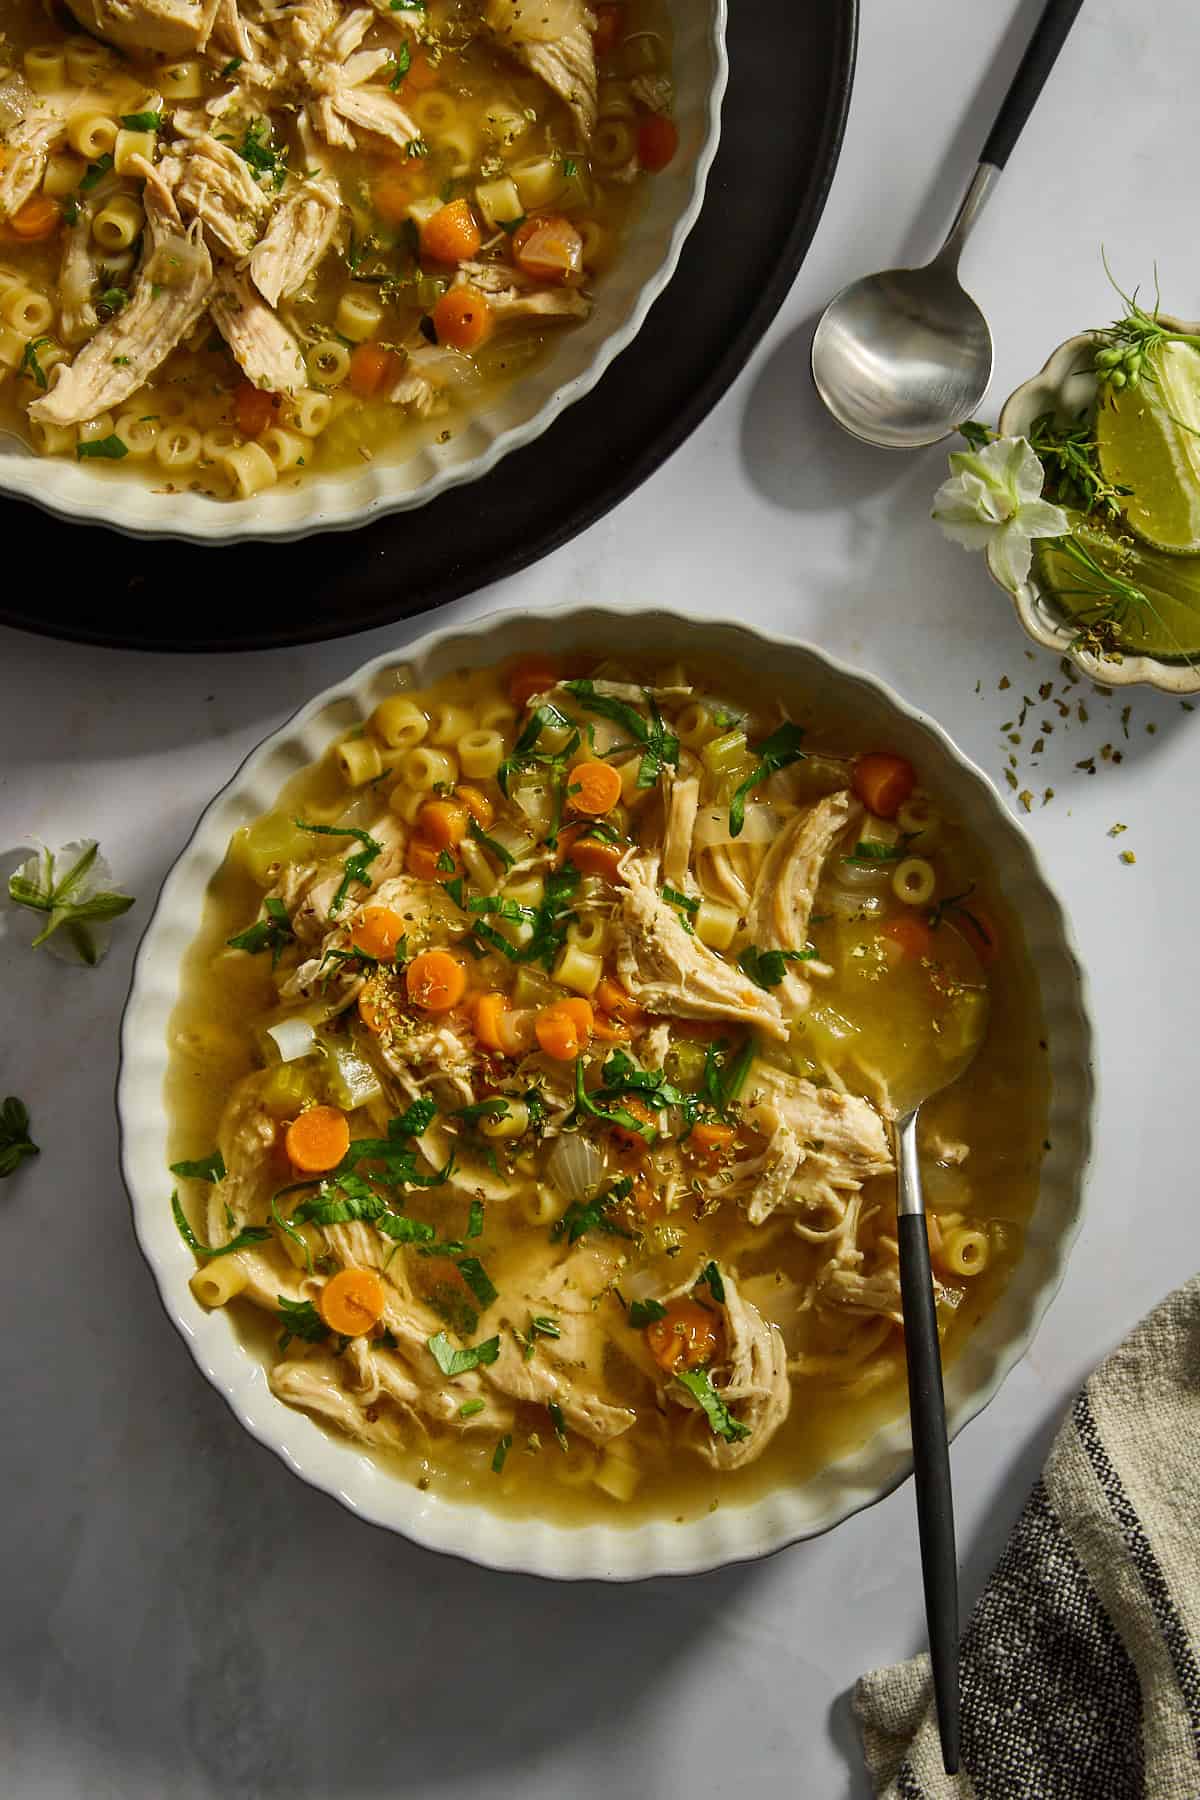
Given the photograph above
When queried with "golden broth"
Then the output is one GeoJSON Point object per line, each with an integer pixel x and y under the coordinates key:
{"type": "Point", "coordinates": [998, 1109]}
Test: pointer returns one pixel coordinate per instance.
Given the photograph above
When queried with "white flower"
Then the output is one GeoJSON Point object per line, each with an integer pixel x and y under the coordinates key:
{"type": "Point", "coordinates": [993, 502]}
{"type": "Point", "coordinates": [72, 889]}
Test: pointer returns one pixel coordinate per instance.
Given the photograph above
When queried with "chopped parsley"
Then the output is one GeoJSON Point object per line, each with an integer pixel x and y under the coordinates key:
{"type": "Point", "coordinates": [645, 1312]}
{"type": "Point", "coordinates": [500, 1453]}
{"type": "Point", "coordinates": [257, 150]}
{"type": "Point", "coordinates": [302, 1320]}
{"type": "Point", "coordinates": [205, 1168]}
{"type": "Point", "coordinates": [143, 121]}
{"type": "Point", "coordinates": [355, 866]}
{"type": "Point", "coordinates": [475, 1219]}
{"type": "Point", "coordinates": [231, 67]}
{"type": "Point", "coordinates": [660, 747]}
{"type": "Point", "coordinates": [541, 1325]}
{"type": "Point", "coordinates": [504, 857]}
{"type": "Point", "coordinates": [95, 172]}
{"type": "Point", "coordinates": [778, 751]}
{"type": "Point", "coordinates": [570, 168]}
{"type": "Point", "coordinates": [274, 933]}
{"type": "Point", "coordinates": [106, 449]}
{"type": "Point", "coordinates": [478, 1280]}
{"type": "Point", "coordinates": [724, 1080]}
{"type": "Point", "coordinates": [710, 1277]}
{"type": "Point", "coordinates": [469, 1408]}
{"type": "Point", "coordinates": [558, 1422]}
{"type": "Point", "coordinates": [452, 1361]}
{"type": "Point", "coordinates": [15, 1141]}
{"type": "Point", "coordinates": [683, 904]}
{"type": "Point", "coordinates": [722, 1424]}
{"type": "Point", "coordinates": [496, 1107]}
{"type": "Point", "coordinates": [250, 1234]}
{"type": "Point", "coordinates": [767, 967]}
{"type": "Point", "coordinates": [593, 1215]}
{"type": "Point", "coordinates": [615, 1115]}
{"type": "Point", "coordinates": [400, 68]}
{"type": "Point", "coordinates": [868, 851]}
{"type": "Point", "coordinates": [29, 362]}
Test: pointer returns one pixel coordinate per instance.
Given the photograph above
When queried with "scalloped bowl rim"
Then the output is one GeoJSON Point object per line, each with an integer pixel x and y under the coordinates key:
{"type": "Point", "coordinates": [732, 1534]}
{"type": "Point", "coordinates": [324, 504]}
{"type": "Point", "coordinates": [1016, 415]}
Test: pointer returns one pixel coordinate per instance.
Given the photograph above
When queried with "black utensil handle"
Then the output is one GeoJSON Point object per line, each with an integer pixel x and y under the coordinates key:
{"type": "Point", "coordinates": [1040, 56]}
{"type": "Point", "coordinates": [931, 1461]}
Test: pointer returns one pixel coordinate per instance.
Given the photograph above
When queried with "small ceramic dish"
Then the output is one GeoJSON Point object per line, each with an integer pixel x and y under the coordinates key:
{"type": "Point", "coordinates": [342, 500]}
{"type": "Point", "coordinates": [733, 1533]}
{"type": "Point", "coordinates": [1066, 387]}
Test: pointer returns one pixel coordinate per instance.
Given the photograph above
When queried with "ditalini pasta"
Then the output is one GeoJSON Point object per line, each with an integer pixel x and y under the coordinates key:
{"type": "Point", "coordinates": [546, 1063]}
{"type": "Point", "coordinates": [392, 208]}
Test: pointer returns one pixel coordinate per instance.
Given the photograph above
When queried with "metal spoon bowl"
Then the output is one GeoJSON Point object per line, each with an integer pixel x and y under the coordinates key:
{"type": "Point", "coordinates": [903, 358]}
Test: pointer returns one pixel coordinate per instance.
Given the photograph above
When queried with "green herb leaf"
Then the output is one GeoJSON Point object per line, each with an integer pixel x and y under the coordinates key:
{"type": "Point", "coordinates": [645, 1312]}
{"type": "Point", "coordinates": [400, 67]}
{"type": "Point", "coordinates": [778, 751]}
{"type": "Point", "coordinates": [105, 449]}
{"type": "Point", "coordinates": [500, 1453]}
{"type": "Point", "coordinates": [541, 1325]}
{"type": "Point", "coordinates": [231, 67]}
{"type": "Point", "coordinates": [475, 1220]}
{"type": "Point", "coordinates": [503, 856]}
{"type": "Point", "coordinates": [593, 1215]}
{"type": "Point", "coordinates": [660, 747]}
{"type": "Point", "coordinates": [250, 1234]}
{"type": "Point", "coordinates": [66, 898]}
{"type": "Point", "coordinates": [30, 365]}
{"type": "Point", "coordinates": [355, 866]}
{"type": "Point", "coordinates": [15, 1141]}
{"type": "Point", "coordinates": [768, 967]}
{"type": "Point", "coordinates": [615, 1115]}
{"type": "Point", "coordinates": [205, 1168]}
{"type": "Point", "coordinates": [710, 1277]}
{"type": "Point", "coordinates": [95, 173]}
{"type": "Point", "coordinates": [273, 933]}
{"type": "Point", "coordinates": [143, 121]}
{"type": "Point", "coordinates": [722, 1424]}
{"type": "Point", "coordinates": [452, 1361]}
{"type": "Point", "coordinates": [300, 1319]}
{"type": "Point", "coordinates": [415, 1121]}
{"type": "Point", "coordinates": [867, 851]}
{"type": "Point", "coordinates": [683, 903]}
{"type": "Point", "coordinates": [558, 1422]}
{"type": "Point", "coordinates": [477, 1279]}
{"type": "Point", "coordinates": [469, 1408]}
{"type": "Point", "coordinates": [256, 149]}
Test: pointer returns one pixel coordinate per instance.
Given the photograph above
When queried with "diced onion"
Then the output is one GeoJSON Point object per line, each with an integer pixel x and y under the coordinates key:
{"type": "Point", "coordinates": [848, 905]}
{"type": "Point", "coordinates": [293, 1038]}
{"type": "Point", "coordinates": [352, 1080]}
{"type": "Point", "coordinates": [761, 826]}
{"type": "Point", "coordinates": [575, 1166]}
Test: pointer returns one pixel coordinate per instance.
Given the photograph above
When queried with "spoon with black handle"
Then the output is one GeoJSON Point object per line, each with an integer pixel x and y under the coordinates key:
{"type": "Point", "coordinates": [923, 1354]}
{"type": "Point", "coordinates": [902, 358]}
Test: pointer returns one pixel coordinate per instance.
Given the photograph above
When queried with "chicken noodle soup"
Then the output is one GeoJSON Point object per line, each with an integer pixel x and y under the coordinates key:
{"type": "Point", "coordinates": [242, 240]}
{"type": "Point", "coordinates": [545, 1034]}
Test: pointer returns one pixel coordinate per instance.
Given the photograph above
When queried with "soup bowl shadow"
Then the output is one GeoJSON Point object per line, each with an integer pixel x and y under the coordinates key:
{"type": "Point", "coordinates": [733, 1533]}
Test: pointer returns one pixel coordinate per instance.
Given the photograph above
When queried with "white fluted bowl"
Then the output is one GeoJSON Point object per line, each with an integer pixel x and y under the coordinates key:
{"type": "Point", "coordinates": [612, 1552]}
{"type": "Point", "coordinates": [345, 499]}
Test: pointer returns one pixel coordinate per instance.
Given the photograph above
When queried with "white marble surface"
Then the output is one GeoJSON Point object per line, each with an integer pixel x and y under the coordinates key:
{"type": "Point", "coordinates": [179, 1614]}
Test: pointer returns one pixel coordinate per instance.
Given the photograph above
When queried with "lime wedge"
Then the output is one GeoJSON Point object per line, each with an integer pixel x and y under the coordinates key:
{"type": "Point", "coordinates": [1143, 444]}
{"type": "Point", "coordinates": [1167, 627]}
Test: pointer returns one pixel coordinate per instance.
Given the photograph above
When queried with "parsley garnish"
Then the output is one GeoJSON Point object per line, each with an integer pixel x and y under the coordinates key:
{"type": "Point", "coordinates": [778, 751]}
{"type": "Point", "coordinates": [475, 1220]}
{"type": "Point", "coordinates": [15, 1141]}
{"type": "Point", "coordinates": [206, 1168]}
{"type": "Point", "coordinates": [698, 1383]}
{"type": "Point", "coordinates": [477, 1279]}
{"type": "Point", "coordinates": [710, 1277]}
{"type": "Point", "coordinates": [496, 1107]}
{"type": "Point", "coordinates": [500, 1453]}
{"type": "Point", "coordinates": [250, 1234]}
{"type": "Point", "coordinates": [274, 933]}
{"type": "Point", "coordinates": [400, 67]}
{"type": "Point", "coordinates": [143, 121]}
{"type": "Point", "coordinates": [558, 1422]}
{"type": "Point", "coordinates": [95, 173]}
{"type": "Point", "coordinates": [469, 1408]}
{"type": "Point", "coordinates": [445, 863]}
{"type": "Point", "coordinates": [503, 857]}
{"type": "Point", "coordinates": [616, 1115]}
{"type": "Point", "coordinates": [231, 67]}
{"type": "Point", "coordinates": [454, 1362]}
{"type": "Point", "coordinates": [645, 1312]}
{"type": "Point", "coordinates": [569, 167]}
{"type": "Point", "coordinates": [355, 866]}
{"type": "Point", "coordinates": [684, 904]}
{"type": "Point", "coordinates": [300, 1319]}
{"type": "Point", "coordinates": [660, 748]}
{"type": "Point", "coordinates": [724, 1080]}
{"type": "Point", "coordinates": [868, 851]}
{"type": "Point", "coordinates": [29, 361]}
{"type": "Point", "coordinates": [593, 1215]}
{"type": "Point", "coordinates": [255, 149]}
{"type": "Point", "coordinates": [107, 449]}
{"type": "Point", "coordinates": [768, 967]}
{"type": "Point", "coordinates": [541, 1325]}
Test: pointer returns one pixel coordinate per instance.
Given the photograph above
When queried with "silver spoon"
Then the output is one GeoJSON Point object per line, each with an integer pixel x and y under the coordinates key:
{"type": "Point", "coordinates": [902, 358]}
{"type": "Point", "coordinates": [926, 1400]}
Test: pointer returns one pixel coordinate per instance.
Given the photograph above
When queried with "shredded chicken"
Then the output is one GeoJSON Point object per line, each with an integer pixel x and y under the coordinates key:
{"type": "Point", "coordinates": [822, 1144]}
{"type": "Point", "coordinates": [787, 884]}
{"type": "Point", "coordinates": [751, 1378]}
{"type": "Point", "coordinates": [265, 349]}
{"type": "Point", "coordinates": [168, 27]}
{"type": "Point", "coordinates": [555, 43]}
{"type": "Point", "coordinates": [300, 232]}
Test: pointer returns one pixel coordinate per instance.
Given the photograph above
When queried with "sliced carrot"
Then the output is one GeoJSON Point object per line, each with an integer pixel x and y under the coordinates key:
{"type": "Point", "coordinates": [657, 142]}
{"type": "Point", "coordinates": [318, 1139]}
{"type": "Point", "coordinates": [462, 318]}
{"type": "Point", "coordinates": [883, 782]}
{"type": "Point", "coordinates": [563, 1028]}
{"type": "Point", "coordinates": [38, 218]}
{"type": "Point", "coordinates": [608, 26]}
{"type": "Point", "coordinates": [645, 1115]}
{"type": "Point", "coordinates": [532, 676]}
{"type": "Point", "coordinates": [594, 788]}
{"type": "Point", "coordinates": [421, 860]}
{"type": "Point", "coordinates": [612, 998]}
{"type": "Point", "coordinates": [489, 1011]}
{"type": "Point", "coordinates": [610, 1031]}
{"type": "Point", "coordinates": [371, 368]}
{"type": "Point", "coordinates": [435, 981]}
{"type": "Point", "coordinates": [688, 1336]}
{"type": "Point", "coordinates": [708, 1142]}
{"type": "Point", "coordinates": [548, 248]}
{"type": "Point", "coordinates": [591, 856]}
{"type": "Point", "coordinates": [477, 804]}
{"type": "Point", "coordinates": [253, 409]}
{"type": "Point", "coordinates": [451, 234]}
{"type": "Point", "coordinates": [443, 823]}
{"type": "Point", "coordinates": [378, 932]}
{"type": "Point", "coordinates": [911, 936]}
{"type": "Point", "coordinates": [352, 1302]}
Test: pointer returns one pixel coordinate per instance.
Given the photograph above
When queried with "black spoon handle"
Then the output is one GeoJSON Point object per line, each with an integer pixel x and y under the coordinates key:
{"type": "Point", "coordinates": [931, 1453]}
{"type": "Point", "coordinates": [1040, 56]}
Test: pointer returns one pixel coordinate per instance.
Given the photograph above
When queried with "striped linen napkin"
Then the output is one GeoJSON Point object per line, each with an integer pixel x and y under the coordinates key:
{"type": "Point", "coordinates": [1081, 1663]}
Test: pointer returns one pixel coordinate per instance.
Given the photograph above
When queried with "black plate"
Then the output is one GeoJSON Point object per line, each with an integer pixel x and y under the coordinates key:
{"type": "Point", "coordinates": [791, 68]}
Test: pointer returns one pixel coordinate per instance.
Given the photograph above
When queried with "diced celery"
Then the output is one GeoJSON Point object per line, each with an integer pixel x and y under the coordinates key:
{"type": "Point", "coordinates": [286, 1088]}
{"type": "Point", "coordinates": [685, 1065]}
{"type": "Point", "coordinates": [723, 754]}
